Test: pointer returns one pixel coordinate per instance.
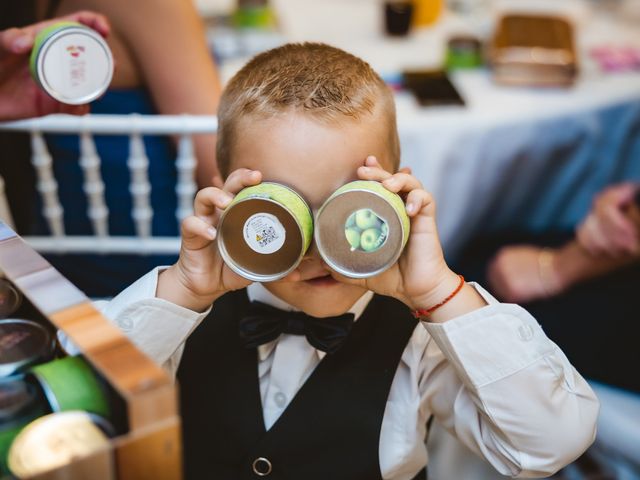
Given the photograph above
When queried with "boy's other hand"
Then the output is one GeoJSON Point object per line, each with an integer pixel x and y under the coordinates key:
{"type": "Point", "coordinates": [20, 97]}
{"type": "Point", "coordinates": [421, 277]}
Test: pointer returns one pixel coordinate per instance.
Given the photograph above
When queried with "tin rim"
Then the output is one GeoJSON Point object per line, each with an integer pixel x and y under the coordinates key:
{"type": "Point", "coordinates": [338, 268]}
{"type": "Point", "coordinates": [251, 275]}
{"type": "Point", "coordinates": [15, 292]}
{"type": "Point", "coordinates": [44, 380]}
{"type": "Point", "coordinates": [28, 401]}
{"type": "Point", "coordinates": [46, 45]}
{"type": "Point", "coordinates": [49, 345]}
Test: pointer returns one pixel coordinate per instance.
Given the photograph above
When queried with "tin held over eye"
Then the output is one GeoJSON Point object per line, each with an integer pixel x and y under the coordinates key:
{"type": "Point", "coordinates": [71, 62]}
{"type": "Point", "coordinates": [265, 231]}
{"type": "Point", "coordinates": [362, 229]}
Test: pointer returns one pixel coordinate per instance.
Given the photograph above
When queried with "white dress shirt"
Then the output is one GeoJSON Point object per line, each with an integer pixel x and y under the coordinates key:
{"type": "Point", "coordinates": [490, 377]}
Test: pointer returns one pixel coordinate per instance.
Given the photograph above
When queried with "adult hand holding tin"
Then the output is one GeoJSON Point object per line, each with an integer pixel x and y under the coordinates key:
{"type": "Point", "coordinates": [201, 276]}
{"type": "Point", "coordinates": [421, 277]}
{"type": "Point", "coordinates": [20, 97]}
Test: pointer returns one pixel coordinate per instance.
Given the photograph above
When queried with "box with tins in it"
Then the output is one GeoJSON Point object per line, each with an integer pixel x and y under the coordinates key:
{"type": "Point", "coordinates": [106, 412]}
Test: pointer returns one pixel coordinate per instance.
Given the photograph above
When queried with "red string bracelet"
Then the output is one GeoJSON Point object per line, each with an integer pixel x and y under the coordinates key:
{"type": "Point", "coordinates": [425, 312]}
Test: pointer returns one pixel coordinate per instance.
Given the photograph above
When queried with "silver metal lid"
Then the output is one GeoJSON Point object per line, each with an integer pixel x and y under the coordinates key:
{"type": "Point", "coordinates": [22, 342]}
{"type": "Point", "coordinates": [74, 65]}
{"type": "Point", "coordinates": [238, 254]}
{"type": "Point", "coordinates": [10, 298]}
{"type": "Point", "coordinates": [335, 247]}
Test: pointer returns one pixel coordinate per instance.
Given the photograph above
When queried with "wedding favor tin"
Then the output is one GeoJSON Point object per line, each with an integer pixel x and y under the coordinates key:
{"type": "Point", "coordinates": [55, 440]}
{"type": "Point", "coordinates": [362, 229]}
{"type": "Point", "coordinates": [71, 62]}
{"type": "Point", "coordinates": [264, 233]}
{"type": "Point", "coordinates": [69, 383]}
{"type": "Point", "coordinates": [19, 405]}
{"type": "Point", "coordinates": [23, 343]}
{"type": "Point", "coordinates": [10, 298]}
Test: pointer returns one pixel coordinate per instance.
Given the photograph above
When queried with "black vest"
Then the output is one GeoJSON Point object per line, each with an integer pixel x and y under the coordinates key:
{"type": "Point", "coordinates": [331, 428]}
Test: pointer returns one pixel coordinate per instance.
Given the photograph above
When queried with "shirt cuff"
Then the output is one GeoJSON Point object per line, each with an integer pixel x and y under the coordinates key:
{"type": "Point", "coordinates": [156, 326]}
{"type": "Point", "coordinates": [490, 343]}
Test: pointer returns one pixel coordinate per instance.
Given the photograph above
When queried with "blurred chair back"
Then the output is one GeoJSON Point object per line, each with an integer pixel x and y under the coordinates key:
{"type": "Point", "coordinates": [134, 126]}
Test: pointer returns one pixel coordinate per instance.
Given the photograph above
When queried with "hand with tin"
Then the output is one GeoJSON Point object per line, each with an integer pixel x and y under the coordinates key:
{"type": "Point", "coordinates": [200, 276]}
{"type": "Point", "coordinates": [20, 96]}
{"type": "Point", "coordinates": [421, 278]}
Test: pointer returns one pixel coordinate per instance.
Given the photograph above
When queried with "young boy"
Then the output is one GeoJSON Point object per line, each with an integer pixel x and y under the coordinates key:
{"type": "Point", "coordinates": [314, 117]}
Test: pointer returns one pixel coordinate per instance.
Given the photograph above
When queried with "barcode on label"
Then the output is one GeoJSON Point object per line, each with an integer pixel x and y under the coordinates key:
{"type": "Point", "coordinates": [266, 236]}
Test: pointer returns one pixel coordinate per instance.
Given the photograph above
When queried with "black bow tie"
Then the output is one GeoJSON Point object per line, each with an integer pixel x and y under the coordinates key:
{"type": "Point", "coordinates": [264, 323]}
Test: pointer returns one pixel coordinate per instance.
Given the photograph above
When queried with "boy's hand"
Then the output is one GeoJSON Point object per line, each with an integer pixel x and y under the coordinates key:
{"type": "Point", "coordinates": [200, 276]}
{"type": "Point", "coordinates": [421, 277]}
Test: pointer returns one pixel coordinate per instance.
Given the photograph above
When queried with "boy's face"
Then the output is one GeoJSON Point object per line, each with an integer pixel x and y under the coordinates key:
{"type": "Point", "coordinates": [315, 159]}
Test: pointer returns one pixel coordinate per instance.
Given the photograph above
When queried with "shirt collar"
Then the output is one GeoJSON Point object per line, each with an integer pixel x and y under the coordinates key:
{"type": "Point", "coordinates": [257, 292]}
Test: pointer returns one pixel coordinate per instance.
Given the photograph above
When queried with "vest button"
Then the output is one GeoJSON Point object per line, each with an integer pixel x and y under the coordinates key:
{"type": "Point", "coordinates": [261, 466]}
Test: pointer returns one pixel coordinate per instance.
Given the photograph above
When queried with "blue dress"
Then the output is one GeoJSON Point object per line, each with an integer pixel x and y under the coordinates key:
{"type": "Point", "coordinates": [107, 274]}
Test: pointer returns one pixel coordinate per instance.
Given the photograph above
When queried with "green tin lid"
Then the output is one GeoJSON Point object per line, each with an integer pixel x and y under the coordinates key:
{"type": "Point", "coordinates": [42, 36]}
{"type": "Point", "coordinates": [70, 384]}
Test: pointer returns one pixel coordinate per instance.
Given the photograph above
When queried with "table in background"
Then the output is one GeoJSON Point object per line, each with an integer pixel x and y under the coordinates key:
{"type": "Point", "coordinates": [513, 158]}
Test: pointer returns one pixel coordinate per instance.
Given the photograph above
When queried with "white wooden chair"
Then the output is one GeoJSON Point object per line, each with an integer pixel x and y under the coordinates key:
{"type": "Point", "coordinates": [134, 126]}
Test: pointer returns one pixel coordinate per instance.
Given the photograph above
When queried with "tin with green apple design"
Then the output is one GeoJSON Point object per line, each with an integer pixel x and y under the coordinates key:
{"type": "Point", "coordinates": [362, 229]}
{"type": "Point", "coordinates": [265, 231]}
{"type": "Point", "coordinates": [71, 62]}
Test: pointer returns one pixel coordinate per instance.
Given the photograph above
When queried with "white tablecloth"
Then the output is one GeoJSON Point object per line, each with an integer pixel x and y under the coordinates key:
{"type": "Point", "coordinates": [512, 157]}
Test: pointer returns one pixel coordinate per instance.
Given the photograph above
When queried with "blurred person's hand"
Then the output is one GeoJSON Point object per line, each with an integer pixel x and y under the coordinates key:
{"type": "Point", "coordinates": [20, 96]}
{"type": "Point", "coordinates": [608, 230]}
{"type": "Point", "coordinates": [523, 273]}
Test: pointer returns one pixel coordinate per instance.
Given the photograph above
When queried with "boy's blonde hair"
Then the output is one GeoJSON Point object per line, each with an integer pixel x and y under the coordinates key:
{"type": "Point", "coordinates": [312, 78]}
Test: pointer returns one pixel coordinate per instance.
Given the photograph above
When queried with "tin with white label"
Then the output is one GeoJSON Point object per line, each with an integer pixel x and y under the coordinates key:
{"type": "Point", "coordinates": [264, 233]}
{"type": "Point", "coordinates": [71, 62]}
{"type": "Point", "coordinates": [362, 229]}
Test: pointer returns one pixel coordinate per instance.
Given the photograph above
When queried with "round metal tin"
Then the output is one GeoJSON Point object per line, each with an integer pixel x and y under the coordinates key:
{"type": "Point", "coordinates": [264, 233]}
{"type": "Point", "coordinates": [72, 63]}
{"type": "Point", "coordinates": [19, 405]}
{"type": "Point", "coordinates": [16, 395]}
{"type": "Point", "coordinates": [23, 343]}
{"type": "Point", "coordinates": [10, 298]}
{"type": "Point", "coordinates": [55, 440]}
{"type": "Point", "coordinates": [69, 383]}
{"type": "Point", "coordinates": [361, 229]}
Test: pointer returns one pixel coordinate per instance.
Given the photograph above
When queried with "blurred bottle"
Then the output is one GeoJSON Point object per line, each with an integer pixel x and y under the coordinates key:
{"type": "Point", "coordinates": [397, 16]}
{"type": "Point", "coordinates": [426, 12]}
{"type": "Point", "coordinates": [254, 14]}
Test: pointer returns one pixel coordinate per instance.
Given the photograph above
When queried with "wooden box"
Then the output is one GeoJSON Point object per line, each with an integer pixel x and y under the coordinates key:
{"type": "Point", "coordinates": [533, 50]}
{"type": "Point", "coordinates": [151, 449]}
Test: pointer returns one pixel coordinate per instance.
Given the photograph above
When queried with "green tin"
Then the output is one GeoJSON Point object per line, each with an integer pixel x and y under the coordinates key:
{"type": "Point", "coordinates": [265, 231]}
{"type": "Point", "coordinates": [362, 229]}
{"type": "Point", "coordinates": [69, 383]}
{"type": "Point", "coordinates": [71, 62]}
